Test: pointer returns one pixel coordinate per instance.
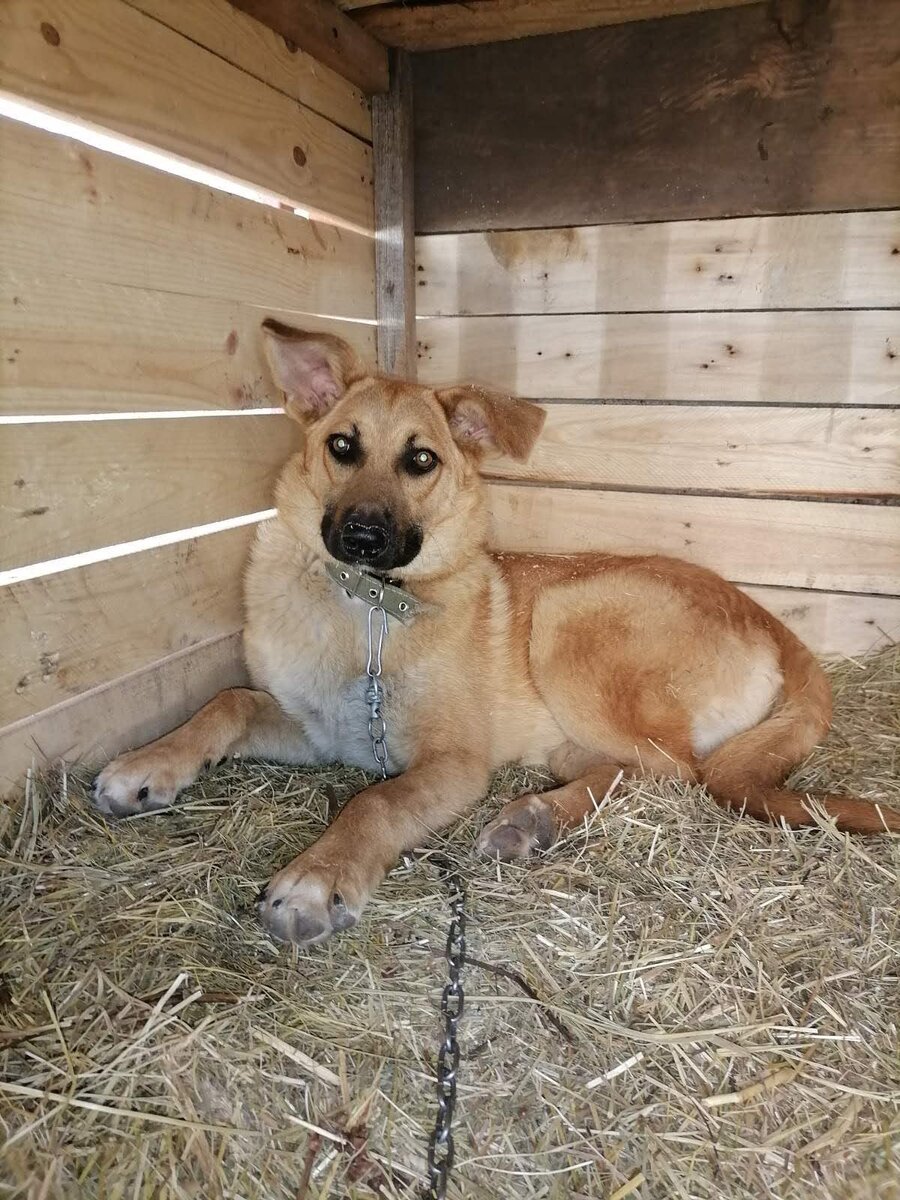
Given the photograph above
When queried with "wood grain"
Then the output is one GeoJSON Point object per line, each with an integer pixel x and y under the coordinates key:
{"type": "Point", "coordinates": [759, 109]}
{"type": "Point", "coordinates": [323, 31]}
{"type": "Point", "coordinates": [825, 260]}
{"type": "Point", "coordinates": [253, 47]}
{"type": "Point", "coordinates": [104, 62]}
{"type": "Point", "coordinates": [70, 346]}
{"type": "Point", "coordinates": [826, 547]}
{"type": "Point", "coordinates": [439, 26]}
{"type": "Point", "coordinates": [69, 632]}
{"type": "Point", "coordinates": [394, 239]}
{"type": "Point", "coordinates": [80, 486]}
{"type": "Point", "coordinates": [121, 715]}
{"type": "Point", "coordinates": [848, 452]}
{"type": "Point", "coordinates": [759, 357]}
{"type": "Point", "coordinates": [834, 623]}
{"type": "Point", "coordinates": [68, 209]}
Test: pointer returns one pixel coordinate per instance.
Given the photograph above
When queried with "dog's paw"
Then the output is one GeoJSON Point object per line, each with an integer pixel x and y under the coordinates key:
{"type": "Point", "coordinates": [523, 826]}
{"type": "Point", "coordinates": [306, 902]}
{"type": "Point", "coordinates": [144, 780]}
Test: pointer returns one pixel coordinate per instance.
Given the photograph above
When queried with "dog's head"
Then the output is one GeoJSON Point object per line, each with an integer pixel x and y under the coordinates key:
{"type": "Point", "coordinates": [387, 477]}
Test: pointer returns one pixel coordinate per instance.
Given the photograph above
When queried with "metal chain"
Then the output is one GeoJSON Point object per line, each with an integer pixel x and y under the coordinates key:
{"type": "Point", "coordinates": [440, 1144]}
{"type": "Point", "coordinates": [375, 692]}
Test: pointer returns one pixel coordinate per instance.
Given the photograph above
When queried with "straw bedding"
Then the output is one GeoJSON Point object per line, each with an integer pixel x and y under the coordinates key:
{"type": "Point", "coordinates": [682, 1004]}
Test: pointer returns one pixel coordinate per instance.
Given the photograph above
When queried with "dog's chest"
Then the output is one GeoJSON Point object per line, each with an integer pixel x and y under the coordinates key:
{"type": "Point", "coordinates": [338, 723]}
{"type": "Point", "coordinates": [311, 654]}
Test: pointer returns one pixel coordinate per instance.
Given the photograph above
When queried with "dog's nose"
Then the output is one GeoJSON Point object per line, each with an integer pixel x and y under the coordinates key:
{"type": "Point", "coordinates": [363, 541]}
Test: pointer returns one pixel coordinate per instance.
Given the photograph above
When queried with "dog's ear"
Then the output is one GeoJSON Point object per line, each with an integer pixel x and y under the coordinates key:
{"type": "Point", "coordinates": [312, 369]}
{"type": "Point", "coordinates": [485, 422]}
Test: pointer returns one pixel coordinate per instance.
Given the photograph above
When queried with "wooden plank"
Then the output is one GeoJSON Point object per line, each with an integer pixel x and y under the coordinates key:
{"type": "Point", "coordinates": [788, 543]}
{"type": "Point", "coordinates": [68, 209]}
{"type": "Point", "coordinates": [258, 50]}
{"type": "Point", "coordinates": [78, 486]}
{"type": "Point", "coordinates": [824, 260]}
{"type": "Point", "coordinates": [755, 357]}
{"type": "Point", "coordinates": [745, 111]}
{"type": "Point", "coordinates": [121, 715]}
{"type": "Point", "coordinates": [848, 452]}
{"type": "Point", "coordinates": [834, 623]}
{"type": "Point", "coordinates": [103, 62]}
{"type": "Point", "coordinates": [72, 631]}
{"type": "Point", "coordinates": [394, 240]}
{"type": "Point", "coordinates": [69, 346]}
{"type": "Point", "coordinates": [472, 22]}
{"type": "Point", "coordinates": [322, 30]}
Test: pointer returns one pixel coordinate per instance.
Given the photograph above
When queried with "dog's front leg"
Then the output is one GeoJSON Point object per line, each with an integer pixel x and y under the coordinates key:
{"type": "Point", "coordinates": [326, 887]}
{"type": "Point", "coordinates": [237, 721]}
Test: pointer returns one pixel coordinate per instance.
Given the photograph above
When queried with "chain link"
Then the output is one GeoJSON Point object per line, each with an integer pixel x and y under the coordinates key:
{"type": "Point", "coordinates": [440, 1144]}
{"type": "Point", "coordinates": [453, 998]}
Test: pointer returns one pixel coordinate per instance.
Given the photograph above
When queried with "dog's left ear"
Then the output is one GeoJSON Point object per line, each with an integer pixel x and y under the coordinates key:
{"type": "Point", "coordinates": [485, 421]}
{"type": "Point", "coordinates": [312, 369]}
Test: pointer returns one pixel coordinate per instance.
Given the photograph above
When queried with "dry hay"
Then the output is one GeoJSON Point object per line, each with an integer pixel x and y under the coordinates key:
{"type": "Point", "coordinates": [685, 1004]}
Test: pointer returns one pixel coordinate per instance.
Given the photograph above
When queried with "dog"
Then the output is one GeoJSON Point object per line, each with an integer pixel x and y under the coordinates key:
{"type": "Point", "coordinates": [594, 664]}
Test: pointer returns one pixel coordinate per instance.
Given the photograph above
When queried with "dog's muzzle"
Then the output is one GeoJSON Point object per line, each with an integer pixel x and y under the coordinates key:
{"type": "Point", "coordinates": [363, 541]}
{"type": "Point", "coordinates": [370, 538]}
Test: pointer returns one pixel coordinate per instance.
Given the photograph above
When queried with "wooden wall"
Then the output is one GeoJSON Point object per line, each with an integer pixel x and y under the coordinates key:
{"type": "Point", "coordinates": [127, 292]}
{"type": "Point", "coordinates": [724, 389]}
{"type": "Point", "coordinates": [780, 107]}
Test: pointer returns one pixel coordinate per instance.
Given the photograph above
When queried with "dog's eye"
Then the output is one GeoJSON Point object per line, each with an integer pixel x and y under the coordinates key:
{"type": "Point", "coordinates": [421, 461]}
{"type": "Point", "coordinates": [343, 446]}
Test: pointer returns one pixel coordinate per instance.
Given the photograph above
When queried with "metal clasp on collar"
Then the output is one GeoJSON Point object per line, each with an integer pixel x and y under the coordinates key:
{"type": "Point", "coordinates": [377, 631]}
{"type": "Point", "coordinates": [395, 601]}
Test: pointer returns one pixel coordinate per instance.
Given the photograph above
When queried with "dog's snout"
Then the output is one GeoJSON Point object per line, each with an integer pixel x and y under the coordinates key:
{"type": "Point", "coordinates": [364, 539]}
{"type": "Point", "coordinates": [370, 537]}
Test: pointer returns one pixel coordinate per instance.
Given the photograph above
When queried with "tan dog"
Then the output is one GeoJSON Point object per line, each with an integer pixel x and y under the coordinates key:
{"type": "Point", "coordinates": [591, 663]}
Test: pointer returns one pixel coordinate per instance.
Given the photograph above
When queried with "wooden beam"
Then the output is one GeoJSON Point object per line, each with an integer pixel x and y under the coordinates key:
{"type": "Point", "coordinates": [440, 26]}
{"type": "Point", "coordinates": [721, 448]}
{"type": "Point", "coordinates": [784, 543]}
{"type": "Point", "coordinates": [326, 33]}
{"type": "Point", "coordinates": [395, 306]}
{"type": "Point", "coordinates": [704, 357]}
{"type": "Point", "coordinates": [129, 711]}
{"type": "Point", "coordinates": [717, 114]}
{"type": "Point", "coordinates": [814, 260]}
{"type": "Point", "coordinates": [145, 477]}
{"type": "Point", "coordinates": [67, 633]}
{"type": "Point", "coordinates": [253, 47]}
{"type": "Point", "coordinates": [74, 345]}
{"type": "Point", "coordinates": [68, 209]}
{"type": "Point", "coordinates": [155, 86]}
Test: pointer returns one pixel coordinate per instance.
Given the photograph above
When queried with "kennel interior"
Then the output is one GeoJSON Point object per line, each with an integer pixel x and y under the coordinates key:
{"type": "Point", "coordinates": [681, 234]}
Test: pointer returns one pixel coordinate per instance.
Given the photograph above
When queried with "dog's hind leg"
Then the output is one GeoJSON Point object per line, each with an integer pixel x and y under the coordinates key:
{"type": "Point", "coordinates": [237, 721]}
{"type": "Point", "coordinates": [534, 822]}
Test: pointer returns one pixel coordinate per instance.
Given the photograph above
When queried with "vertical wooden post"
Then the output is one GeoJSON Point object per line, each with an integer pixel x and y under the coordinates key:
{"type": "Point", "coordinates": [395, 301]}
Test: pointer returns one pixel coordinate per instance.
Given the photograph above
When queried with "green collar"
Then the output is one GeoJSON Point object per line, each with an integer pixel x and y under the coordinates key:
{"type": "Point", "coordinates": [376, 592]}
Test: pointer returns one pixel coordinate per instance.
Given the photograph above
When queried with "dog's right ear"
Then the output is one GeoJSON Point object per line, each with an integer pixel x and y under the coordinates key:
{"type": "Point", "coordinates": [312, 369]}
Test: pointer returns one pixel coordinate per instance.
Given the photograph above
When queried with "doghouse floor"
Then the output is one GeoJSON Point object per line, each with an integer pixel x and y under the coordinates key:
{"type": "Point", "coordinates": [715, 1016]}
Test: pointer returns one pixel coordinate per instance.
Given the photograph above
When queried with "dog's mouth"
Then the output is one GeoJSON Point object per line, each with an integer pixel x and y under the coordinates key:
{"type": "Point", "coordinates": [370, 538]}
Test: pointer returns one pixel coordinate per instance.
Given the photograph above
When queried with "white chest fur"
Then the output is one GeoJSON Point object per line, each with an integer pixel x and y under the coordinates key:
{"type": "Point", "coordinates": [306, 643]}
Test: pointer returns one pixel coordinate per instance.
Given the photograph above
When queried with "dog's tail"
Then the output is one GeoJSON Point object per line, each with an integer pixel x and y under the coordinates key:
{"type": "Point", "coordinates": [745, 772]}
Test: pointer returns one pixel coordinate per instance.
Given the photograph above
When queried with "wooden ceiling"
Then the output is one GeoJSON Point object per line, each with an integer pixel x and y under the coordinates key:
{"type": "Point", "coordinates": [351, 36]}
{"type": "Point", "coordinates": [440, 24]}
